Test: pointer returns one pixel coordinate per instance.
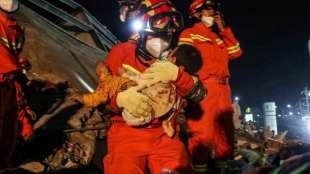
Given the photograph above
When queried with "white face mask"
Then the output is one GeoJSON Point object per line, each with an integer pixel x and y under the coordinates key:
{"type": "Point", "coordinates": [156, 46]}
{"type": "Point", "coordinates": [9, 5]}
{"type": "Point", "coordinates": [209, 21]}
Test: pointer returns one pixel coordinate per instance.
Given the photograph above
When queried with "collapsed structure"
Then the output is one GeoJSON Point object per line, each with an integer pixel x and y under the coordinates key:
{"type": "Point", "coordinates": [64, 41]}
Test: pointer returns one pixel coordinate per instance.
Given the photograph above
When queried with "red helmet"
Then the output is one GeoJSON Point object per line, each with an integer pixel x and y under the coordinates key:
{"type": "Point", "coordinates": [158, 18]}
{"type": "Point", "coordinates": [159, 15]}
{"type": "Point", "coordinates": [198, 5]}
{"type": "Point", "coordinates": [9, 5]}
{"type": "Point", "coordinates": [153, 7]}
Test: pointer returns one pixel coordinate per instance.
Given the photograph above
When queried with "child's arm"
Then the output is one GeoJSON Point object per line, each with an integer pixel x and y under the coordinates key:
{"type": "Point", "coordinates": [106, 90]}
{"type": "Point", "coordinates": [94, 99]}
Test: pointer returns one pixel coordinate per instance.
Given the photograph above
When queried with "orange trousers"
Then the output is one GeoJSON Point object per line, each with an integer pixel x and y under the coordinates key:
{"type": "Point", "coordinates": [214, 129]}
{"type": "Point", "coordinates": [131, 149]}
{"type": "Point", "coordinates": [8, 122]}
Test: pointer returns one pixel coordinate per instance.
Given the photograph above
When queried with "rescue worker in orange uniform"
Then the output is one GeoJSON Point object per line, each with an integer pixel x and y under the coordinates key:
{"type": "Point", "coordinates": [217, 45]}
{"type": "Point", "coordinates": [13, 106]}
{"type": "Point", "coordinates": [131, 148]}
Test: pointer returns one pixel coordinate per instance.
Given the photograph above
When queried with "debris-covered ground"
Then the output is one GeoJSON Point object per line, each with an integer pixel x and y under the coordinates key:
{"type": "Point", "coordinates": [71, 139]}
{"type": "Point", "coordinates": [66, 134]}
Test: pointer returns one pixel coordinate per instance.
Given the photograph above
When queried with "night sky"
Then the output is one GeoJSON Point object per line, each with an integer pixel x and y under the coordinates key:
{"type": "Point", "coordinates": [273, 34]}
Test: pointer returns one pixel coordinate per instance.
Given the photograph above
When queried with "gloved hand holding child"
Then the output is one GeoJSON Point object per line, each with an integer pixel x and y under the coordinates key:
{"type": "Point", "coordinates": [161, 71]}
{"type": "Point", "coordinates": [134, 102]}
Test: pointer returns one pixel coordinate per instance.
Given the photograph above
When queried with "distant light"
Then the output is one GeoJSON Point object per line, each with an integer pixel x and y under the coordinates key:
{"type": "Point", "coordinates": [137, 25]}
{"type": "Point", "coordinates": [258, 115]}
{"type": "Point", "coordinates": [290, 113]}
{"type": "Point", "coordinates": [248, 117]}
{"type": "Point", "coordinates": [237, 98]}
{"type": "Point", "coordinates": [288, 106]}
{"type": "Point", "coordinates": [279, 115]}
{"type": "Point", "coordinates": [298, 113]}
{"type": "Point", "coordinates": [309, 94]}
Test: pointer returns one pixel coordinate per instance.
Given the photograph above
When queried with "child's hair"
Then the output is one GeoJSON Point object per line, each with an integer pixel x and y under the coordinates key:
{"type": "Point", "coordinates": [189, 57]}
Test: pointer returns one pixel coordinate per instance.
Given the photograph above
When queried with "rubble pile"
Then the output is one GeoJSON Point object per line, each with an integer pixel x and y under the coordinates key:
{"type": "Point", "coordinates": [66, 133]}
{"type": "Point", "coordinates": [77, 130]}
{"type": "Point", "coordinates": [261, 152]}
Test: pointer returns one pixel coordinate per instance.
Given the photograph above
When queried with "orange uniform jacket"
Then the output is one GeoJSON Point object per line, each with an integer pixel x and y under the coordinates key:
{"type": "Point", "coordinates": [124, 54]}
{"type": "Point", "coordinates": [11, 112]}
{"type": "Point", "coordinates": [131, 148]}
{"type": "Point", "coordinates": [215, 51]}
{"type": "Point", "coordinates": [11, 38]}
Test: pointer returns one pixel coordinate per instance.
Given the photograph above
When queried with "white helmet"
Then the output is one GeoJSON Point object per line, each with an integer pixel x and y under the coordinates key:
{"type": "Point", "coordinates": [9, 5]}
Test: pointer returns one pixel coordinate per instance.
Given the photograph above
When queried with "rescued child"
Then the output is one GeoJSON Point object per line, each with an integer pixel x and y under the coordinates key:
{"type": "Point", "coordinates": [163, 94]}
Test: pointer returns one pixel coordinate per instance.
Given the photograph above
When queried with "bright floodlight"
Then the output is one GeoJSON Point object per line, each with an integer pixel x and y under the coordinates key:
{"type": "Point", "coordinates": [309, 94]}
{"type": "Point", "coordinates": [137, 25]}
{"type": "Point", "coordinates": [237, 98]}
{"type": "Point", "coordinates": [290, 113]}
{"type": "Point", "coordinates": [288, 106]}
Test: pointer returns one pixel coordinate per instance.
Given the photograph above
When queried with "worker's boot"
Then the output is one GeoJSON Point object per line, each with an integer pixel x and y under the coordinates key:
{"type": "Point", "coordinates": [200, 159]}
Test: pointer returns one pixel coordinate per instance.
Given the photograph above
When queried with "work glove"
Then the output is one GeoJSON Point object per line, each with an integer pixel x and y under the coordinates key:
{"type": "Point", "coordinates": [134, 102]}
{"type": "Point", "coordinates": [161, 71]}
{"type": "Point", "coordinates": [133, 120]}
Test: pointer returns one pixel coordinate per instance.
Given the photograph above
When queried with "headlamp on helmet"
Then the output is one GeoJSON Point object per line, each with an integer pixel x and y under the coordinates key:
{"type": "Point", "coordinates": [137, 25]}
{"type": "Point", "coordinates": [9, 5]}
